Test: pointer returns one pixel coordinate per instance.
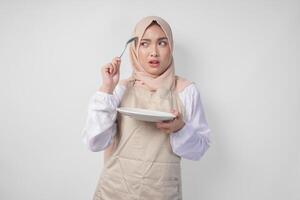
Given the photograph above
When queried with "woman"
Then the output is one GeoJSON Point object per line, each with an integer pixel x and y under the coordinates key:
{"type": "Point", "coordinates": [143, 159]}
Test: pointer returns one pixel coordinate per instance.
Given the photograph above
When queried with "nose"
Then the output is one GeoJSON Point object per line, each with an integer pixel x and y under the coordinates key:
{"type": "Point", "coordinates": [153, 52]}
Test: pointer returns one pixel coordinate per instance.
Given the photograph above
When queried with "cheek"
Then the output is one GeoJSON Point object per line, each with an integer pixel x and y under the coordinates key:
{"type": "Point", "coordinates": [142, 55]}
{"type": "Point", "coordinates": [166, 55]}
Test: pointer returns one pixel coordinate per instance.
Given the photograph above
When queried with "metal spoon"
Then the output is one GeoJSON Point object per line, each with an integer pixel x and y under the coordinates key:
{"type": "Point", "coordinates": [130, 40]}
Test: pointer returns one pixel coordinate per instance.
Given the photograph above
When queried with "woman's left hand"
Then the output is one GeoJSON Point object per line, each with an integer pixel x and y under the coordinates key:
{"type": "Point", "coordinates": [172, 125]}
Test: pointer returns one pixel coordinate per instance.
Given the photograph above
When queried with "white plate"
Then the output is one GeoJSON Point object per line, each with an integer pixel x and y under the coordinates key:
{"type": "Point", "coordinates": [146, 115]}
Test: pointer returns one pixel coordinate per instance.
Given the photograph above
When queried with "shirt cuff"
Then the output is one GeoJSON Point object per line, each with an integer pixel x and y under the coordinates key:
{"type": "Point", "coordinates": [103, 101]}
{"type": "Point", "coordinates": [181, 136]}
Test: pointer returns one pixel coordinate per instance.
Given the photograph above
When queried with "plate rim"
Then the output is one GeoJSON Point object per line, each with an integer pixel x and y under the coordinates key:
{"type": "Point", "coordinates": [166, 114]}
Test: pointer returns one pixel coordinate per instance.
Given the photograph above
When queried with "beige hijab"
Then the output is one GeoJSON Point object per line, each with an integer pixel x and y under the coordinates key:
{"type": "Point", "coordinates": [167, 78]}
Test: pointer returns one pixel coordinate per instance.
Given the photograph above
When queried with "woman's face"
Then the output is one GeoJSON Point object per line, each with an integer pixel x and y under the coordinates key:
{"type": "Point", "coordinates": [154, 51]}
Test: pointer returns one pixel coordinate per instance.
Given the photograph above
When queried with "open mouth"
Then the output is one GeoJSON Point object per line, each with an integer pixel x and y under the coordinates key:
{"type": "Point", "coordinates": [154, 63]}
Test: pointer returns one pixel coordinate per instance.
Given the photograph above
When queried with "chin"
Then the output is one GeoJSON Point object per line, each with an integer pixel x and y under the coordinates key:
{"type": "Point", "coordinates": [155, 71]}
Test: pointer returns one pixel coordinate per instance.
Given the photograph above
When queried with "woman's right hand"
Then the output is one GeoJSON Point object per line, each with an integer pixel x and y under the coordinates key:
{"type": "Point", "coordinates": [110, 75]}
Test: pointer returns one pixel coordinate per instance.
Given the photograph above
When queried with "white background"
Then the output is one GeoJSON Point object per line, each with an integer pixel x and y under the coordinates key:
{"type": "Point", "coordinates": [244, 56]}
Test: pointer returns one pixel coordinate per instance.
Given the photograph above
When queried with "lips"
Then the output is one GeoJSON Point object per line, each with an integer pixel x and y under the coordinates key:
{"type": "Point", "coordinates": [154, 62]}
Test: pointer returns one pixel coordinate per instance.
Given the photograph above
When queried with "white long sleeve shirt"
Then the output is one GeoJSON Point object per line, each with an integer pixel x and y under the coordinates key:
{"type": "Point", "coordinates": [190, 142]}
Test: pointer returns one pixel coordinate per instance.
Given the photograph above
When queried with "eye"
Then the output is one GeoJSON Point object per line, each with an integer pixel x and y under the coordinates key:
{"type": "Point", "coordinates": [162, 43]}
{"type": "Point", "coordinates": [144, 44]}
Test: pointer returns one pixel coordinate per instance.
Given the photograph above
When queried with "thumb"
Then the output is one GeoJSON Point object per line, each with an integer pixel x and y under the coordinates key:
{"type": "Point", "coordinates": [175, 112]}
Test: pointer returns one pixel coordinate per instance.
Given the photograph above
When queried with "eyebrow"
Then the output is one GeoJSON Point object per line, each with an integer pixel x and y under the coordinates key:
{"type": "Point", "coordinates": [162, 38]}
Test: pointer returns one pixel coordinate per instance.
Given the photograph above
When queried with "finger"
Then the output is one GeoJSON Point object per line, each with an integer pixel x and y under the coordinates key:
{"type": "Point", "coordinates": [116, 60]}
{"type": "Point", "coordinates": [113, 68]}
{"type": "Point", "coordinates": [110, 68]}
{"type": "Point", "coordinates": [163, 125]}
{"type": "Point", "coordinates": [106, 69]}
{"type": "Point", "coordinates": [116, 68]}
{"type": "Point", "coordinates": [169, 122]}
{"type": "Point", "coordinates": [105, 66]}
{"type": "Point", "coordinates": [116, 64]}
{"type": "Point", "coordinates": [175, 112]}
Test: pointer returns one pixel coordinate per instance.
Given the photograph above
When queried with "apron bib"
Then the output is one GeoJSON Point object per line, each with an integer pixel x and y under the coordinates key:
{"type": "Point", "coordinates": [142, 166]}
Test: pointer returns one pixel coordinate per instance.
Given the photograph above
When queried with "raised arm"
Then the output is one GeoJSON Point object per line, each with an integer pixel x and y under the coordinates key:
{"type": "Point", "coordinates": [100, 124]}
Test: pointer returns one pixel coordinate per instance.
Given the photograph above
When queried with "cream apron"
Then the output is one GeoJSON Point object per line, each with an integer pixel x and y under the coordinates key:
{"type": "Point", "coordinates": [143, 165]}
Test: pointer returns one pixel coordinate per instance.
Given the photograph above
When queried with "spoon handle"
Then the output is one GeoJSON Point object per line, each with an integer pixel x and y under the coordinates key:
{"type": "Point", "coordinates": [123, 51]}
{"type": "Point", "coordinates": [130, 40]}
